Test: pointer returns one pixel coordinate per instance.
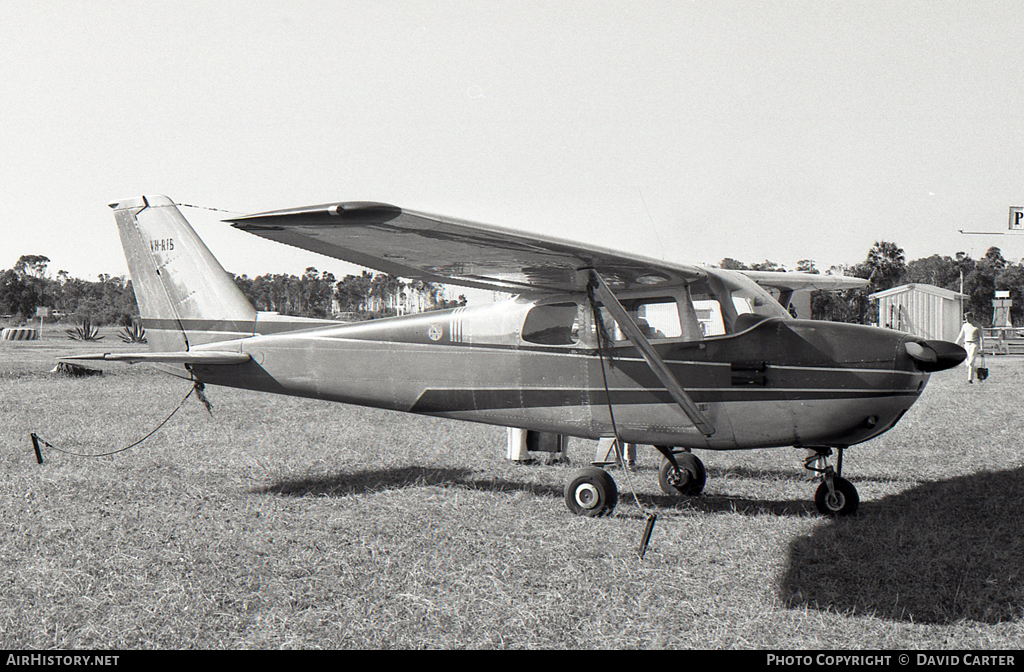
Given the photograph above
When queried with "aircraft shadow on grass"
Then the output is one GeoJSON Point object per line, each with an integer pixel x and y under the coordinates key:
{"type": "Point", "coordinates": [793, 475]}
{"type": "Point", "coordinates": [343, 484]}
{"type": "Point", "coordinates": [340, 485]}
{"type": "Point", "coordinates": [939, 553]}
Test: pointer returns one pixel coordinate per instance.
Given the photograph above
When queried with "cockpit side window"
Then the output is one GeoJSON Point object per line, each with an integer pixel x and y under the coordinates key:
{"type": "Point", "coordinates": [553, 324]}
{"type": "Point", "coordinates": [715, 305]}
{"type": "Point", "coordinates": [714, 316]}
{"type": "Point", "coordinates": [728, 305]}
{"type": "Point", "coordinates": [656, 317]}
{"type": "Point", "coordinates": [709, 315]}
{"type": "Point", "coordinates": [661, 318]}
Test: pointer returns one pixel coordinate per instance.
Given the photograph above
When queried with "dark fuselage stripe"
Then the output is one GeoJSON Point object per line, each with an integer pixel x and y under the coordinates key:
{"type": "Point", "coordinates": [239, 328]}
{"type": "Point", "coordinates": [453, 400]}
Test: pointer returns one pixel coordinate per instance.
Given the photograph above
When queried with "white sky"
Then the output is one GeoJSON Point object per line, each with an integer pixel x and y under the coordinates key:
{"type": "Point", "coordinates": [689, 131]}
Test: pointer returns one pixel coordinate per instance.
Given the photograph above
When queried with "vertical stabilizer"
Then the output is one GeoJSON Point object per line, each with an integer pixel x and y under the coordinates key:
{"type": "Point", "coordinates": [185, 296]}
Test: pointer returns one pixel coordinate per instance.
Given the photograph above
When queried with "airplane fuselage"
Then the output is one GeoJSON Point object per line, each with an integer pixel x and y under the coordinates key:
{"type": "Point", "coordinates": [780, 382]}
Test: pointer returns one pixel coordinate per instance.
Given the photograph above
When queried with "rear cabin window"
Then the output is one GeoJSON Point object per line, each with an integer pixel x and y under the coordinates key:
{"type": "Point", "coordinates": [553, 324]}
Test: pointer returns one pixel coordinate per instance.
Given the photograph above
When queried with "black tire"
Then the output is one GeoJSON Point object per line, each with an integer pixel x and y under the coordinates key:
{"type": "Point", "coordinates": [690, 480]}
{"type": "Point", "coordinates": [591, 492]}
{"type": "Point", "coordinates": [845, 502]}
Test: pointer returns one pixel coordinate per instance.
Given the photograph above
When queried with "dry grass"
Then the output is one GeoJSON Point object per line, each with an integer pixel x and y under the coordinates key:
{"type": "Point", "coordinates": [286, 523]}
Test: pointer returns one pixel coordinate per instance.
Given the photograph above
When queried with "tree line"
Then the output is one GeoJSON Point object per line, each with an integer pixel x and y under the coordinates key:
{"type": "Point", "coordinates": [886, 266]}
{"type": "Point", "coordinates": [111, 301]}
{"type": "Point", "coordinates": [365, 296]}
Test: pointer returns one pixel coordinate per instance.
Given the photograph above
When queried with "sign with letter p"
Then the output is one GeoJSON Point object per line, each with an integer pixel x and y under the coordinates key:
{"type": "Point", "coordinates": [1016, 218]}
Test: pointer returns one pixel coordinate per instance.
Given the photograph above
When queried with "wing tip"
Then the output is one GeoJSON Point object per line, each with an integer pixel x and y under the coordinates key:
{"type": "Point", "coordinates": [356, 212]}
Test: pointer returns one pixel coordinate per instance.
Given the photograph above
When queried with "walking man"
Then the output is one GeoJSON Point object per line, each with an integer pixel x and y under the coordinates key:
{"type": "Point", "coordinates": [970, 337]}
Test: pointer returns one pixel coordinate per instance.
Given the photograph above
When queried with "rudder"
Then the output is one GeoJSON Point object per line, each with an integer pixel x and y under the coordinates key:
{"type": "Point", "coordinates": [185, 296]}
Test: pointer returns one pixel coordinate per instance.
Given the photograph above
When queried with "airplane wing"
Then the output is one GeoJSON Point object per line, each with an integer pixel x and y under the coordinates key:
{"type": "Point", "coordinates": [433, 248]}
{"type": "Point", "coordinates": [792, 282]}
{"type": "Point", "coordinates": [207, 358]}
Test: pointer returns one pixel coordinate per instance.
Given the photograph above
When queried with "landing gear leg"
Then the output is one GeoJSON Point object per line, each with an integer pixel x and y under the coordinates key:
{"type": "Point", "coordinates": [836, 496]}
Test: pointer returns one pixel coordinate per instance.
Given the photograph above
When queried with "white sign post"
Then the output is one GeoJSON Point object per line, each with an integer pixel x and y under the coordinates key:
{"type": "Point", "coordinates": [42, 312]}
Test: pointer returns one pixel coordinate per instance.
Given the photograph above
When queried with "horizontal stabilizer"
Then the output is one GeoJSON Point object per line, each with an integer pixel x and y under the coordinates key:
{"type": "Point", "coordinates": [209, 358]}
{"type": "Point", "coordinates": [796, 281]}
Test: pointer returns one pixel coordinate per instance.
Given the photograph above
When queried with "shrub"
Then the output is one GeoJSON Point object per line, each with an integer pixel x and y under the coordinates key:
{"type": "Point", "coordinates": [135, 333]}
{"type": "Point", "coordinates": [84, 332]}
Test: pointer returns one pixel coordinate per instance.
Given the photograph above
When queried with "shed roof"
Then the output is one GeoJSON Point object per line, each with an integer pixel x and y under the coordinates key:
{"type": "Point", "coordinates": [918, 287]}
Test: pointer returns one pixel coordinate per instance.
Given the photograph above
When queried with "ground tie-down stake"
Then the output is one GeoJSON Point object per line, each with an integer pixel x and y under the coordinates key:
{"type": "Point", "coordinates": [648, 529]}
{"type": "Point", "coordinates": [35, 447]}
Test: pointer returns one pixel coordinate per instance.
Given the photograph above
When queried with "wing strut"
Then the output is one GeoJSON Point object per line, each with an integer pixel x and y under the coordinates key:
{"type": "Point", "coordinates": [628, 326]}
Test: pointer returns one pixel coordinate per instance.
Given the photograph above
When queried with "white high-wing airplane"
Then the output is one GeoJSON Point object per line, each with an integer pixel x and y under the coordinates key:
{"type": "Point", "coordinates": [597, 343]}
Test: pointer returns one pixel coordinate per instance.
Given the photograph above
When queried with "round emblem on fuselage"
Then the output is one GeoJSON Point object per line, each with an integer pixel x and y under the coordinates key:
{"type": "Point", "coordinates": [435, 332]}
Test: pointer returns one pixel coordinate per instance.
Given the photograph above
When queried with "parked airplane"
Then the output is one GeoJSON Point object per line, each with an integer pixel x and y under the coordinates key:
{"type": "Point", "coordinates": [597, 343]}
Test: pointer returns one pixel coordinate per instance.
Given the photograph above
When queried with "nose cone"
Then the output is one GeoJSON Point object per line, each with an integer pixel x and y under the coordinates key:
{"type": "Point", "coordinates": [930, 356]}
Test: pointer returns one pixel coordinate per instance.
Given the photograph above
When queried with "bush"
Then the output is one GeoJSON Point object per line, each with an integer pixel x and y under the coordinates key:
{"type": "Point", "coordinates": [84, 332]}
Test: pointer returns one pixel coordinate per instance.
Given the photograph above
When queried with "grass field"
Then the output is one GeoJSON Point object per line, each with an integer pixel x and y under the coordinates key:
{"type": "Point", "coordinates": [288, 523]}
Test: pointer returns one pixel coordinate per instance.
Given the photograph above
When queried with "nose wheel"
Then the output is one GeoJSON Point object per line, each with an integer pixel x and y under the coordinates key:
{"type": "Point", "coordinates": [681, 473]}
{"type": "Point", "coordinates": [836, 496]}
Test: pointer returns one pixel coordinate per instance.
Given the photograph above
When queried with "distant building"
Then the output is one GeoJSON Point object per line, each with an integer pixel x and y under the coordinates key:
{"type": "Point", "coordinates": [922, 310]}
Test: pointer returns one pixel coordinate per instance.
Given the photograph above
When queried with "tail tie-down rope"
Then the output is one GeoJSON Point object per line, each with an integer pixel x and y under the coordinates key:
{"type": "Point", "coordinates": [37, 441]}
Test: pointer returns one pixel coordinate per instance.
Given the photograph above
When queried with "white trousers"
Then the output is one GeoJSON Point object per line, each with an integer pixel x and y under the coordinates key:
{"type": "Point", "coordinates": [972, 356]}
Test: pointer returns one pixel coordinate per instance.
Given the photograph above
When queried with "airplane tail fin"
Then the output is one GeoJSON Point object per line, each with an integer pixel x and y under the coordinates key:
{"type": "Point", "coordinates": [185, 296]}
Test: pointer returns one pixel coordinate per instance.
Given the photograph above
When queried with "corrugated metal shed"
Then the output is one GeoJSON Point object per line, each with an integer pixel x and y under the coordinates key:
{"type": "Point", "coordinates": [923, 310]}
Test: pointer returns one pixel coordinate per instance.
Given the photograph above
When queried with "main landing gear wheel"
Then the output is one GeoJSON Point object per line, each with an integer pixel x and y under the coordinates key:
{"type": "Point", "coordinates": [591, 492]}
{"type": "Point", "coordinates": [842, 501]}
{"type": "Point", "coordinates": [689, 480]}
